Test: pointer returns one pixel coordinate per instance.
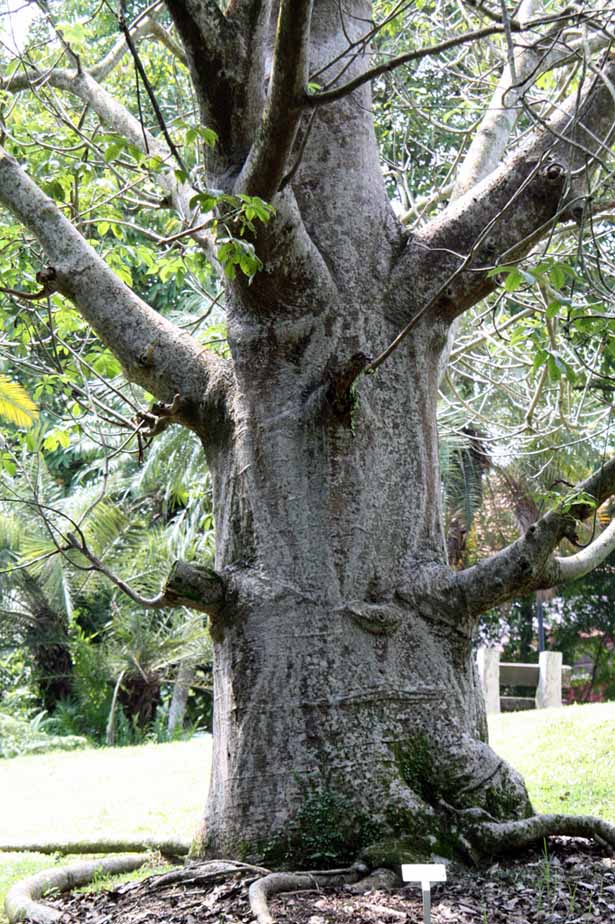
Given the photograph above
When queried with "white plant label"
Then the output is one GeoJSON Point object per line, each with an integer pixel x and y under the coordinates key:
{"type": "Point", "coordinates": [425, 873]}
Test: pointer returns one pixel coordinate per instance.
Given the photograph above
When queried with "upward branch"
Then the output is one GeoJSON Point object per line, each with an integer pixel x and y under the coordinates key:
{"type": "Point", "coordinates": [489, 143]}
{"type": "Point", "coordinates": [267, 161]}
{"type": "Point", "coordinates": [500, 219]}
{"type": "Point", "coordinates": [85, 86]}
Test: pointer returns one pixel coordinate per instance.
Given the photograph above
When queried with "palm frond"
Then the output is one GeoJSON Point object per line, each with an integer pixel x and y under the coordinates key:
{"type": "Point", "coordinates": [15, 403]}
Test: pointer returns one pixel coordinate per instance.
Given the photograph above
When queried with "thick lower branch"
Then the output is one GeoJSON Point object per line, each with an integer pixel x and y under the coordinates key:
{"type": "Point", "coordinates": [153, 352]}
{"type": "Point", "coordinates": [194, 586]}
{"type": "Point", "coordinates": [501, 218]}
{"type": "Point", "coordinates": [187, 585]}
{"type": "Point", "coordinates": [528, 564]}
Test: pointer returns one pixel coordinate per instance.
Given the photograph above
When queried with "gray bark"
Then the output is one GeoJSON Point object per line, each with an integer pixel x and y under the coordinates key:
{"type": "Point", "coordinates": [347, 702]}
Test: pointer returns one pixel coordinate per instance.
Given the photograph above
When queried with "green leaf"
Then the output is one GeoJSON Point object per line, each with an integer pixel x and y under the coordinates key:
{"type": "Point", "coordinates": [514, 280]}
{"type": "Point", "coordinates": [205, 201]}
{"type": "Point", "coordinates": [540, 357]}
{"type": "Point", "coordinates": [55, 439]}
{"type": "Point", "coordinates": [553, 309]}
{"type": "Point", "coordinates": [7, 464]}
{"type": "Point", "coordinates": [554, 367]}
{"type": "Point", "coordinates": [112, 151]}
{"type": "Point", "coordinates": [557, 275]}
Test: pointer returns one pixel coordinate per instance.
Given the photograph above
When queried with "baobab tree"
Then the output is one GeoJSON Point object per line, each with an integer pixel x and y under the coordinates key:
{"type": "Point", "coordinates": [344, 674]}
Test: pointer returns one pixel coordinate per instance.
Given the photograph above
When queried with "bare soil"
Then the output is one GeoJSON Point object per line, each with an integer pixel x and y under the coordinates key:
{"type": "Point", "coordinates": [567, 882]}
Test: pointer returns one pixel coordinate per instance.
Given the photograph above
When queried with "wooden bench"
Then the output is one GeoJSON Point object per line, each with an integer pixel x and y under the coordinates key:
{"type": "Point", "coordinates": [548, 677]}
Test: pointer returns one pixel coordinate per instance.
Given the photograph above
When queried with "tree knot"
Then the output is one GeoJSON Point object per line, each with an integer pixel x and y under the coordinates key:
{"type": "Point", "coordinates": [376, 619]}
{"type": "Point", "coordinates": [341, 379]}
{"type": "Point", "coordinates": [554, 172]}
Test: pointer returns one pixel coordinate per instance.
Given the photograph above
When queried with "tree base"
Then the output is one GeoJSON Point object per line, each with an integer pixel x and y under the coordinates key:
{"type": "Point", "coordinates": [554, 881]}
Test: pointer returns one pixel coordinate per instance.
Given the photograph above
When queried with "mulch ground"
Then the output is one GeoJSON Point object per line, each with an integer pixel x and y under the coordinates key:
{"type": "Point", "coordinates": [572, 882]}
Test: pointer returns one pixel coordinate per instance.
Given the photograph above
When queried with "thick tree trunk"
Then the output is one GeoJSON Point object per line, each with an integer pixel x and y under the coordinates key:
{"type": "Point", "coordinates": [348, 716]}
{"type": "Point", "coordinates": [346, 702]}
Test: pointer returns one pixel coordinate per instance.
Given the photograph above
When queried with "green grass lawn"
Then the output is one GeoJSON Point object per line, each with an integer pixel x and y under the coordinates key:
{"type": "Point", "coordinates": [566, 755]}
{"type": "Point", "coordinates": [153, 790]}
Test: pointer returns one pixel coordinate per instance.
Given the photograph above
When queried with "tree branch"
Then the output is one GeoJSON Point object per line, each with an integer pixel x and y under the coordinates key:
{"type": "Point", "coordinates": [196, 587]}
{"type": "Point", "coordinates": [216, 59]}
{"type": "Point", "coordinates": [330, 96]}
{"type": "Point", "coordinates": [188, 585]}
{"type": "Point", "coordinates": [576, 566]}
{"type": "Point", "coordinates": [141, 72]}
{"type": "Point", "coordinates": [165, 38]}
{"type": "Point", "coordinates": [530, 60]}
{"type": "Point", "coordinates": [267, 161]}
{"type": "Point", "coordinates": [528, 563]}
{"type": "Point", "coordinates": [23, 80]}
{"type": "Point", "coordinates": [490, 140]}
{"type": "Point", "coordinates": [445, 264]}
{"type": "Point", "coordinates": [208, 17]}
{"type": "Point", "coordinates": [153, 352]}
{"type": "Point", "coordinates": [499, 28]}
{"type": "Point", "coordinates": [119, 119]}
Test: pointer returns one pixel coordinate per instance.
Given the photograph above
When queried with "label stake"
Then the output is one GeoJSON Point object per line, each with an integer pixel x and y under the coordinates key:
{"type": "Point", "coordinates": [425, 873]}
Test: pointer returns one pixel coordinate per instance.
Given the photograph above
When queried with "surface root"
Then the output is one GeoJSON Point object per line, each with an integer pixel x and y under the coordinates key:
{"type": "Point", "coordinates": [21, 902]}
{"type": "Point", "coordinates": [263, 889]}
{"type": "Point", "coordinates": [502, 837]}
{"type": "Point", "coordinates": [379, 880]}
{"type": "Point", "coordinates": [127, 845]}
{"type": "Point", "coordinates": [207, 873]}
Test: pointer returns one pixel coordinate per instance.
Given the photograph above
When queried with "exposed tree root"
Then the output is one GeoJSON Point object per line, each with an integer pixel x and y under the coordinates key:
{"type": "Point", "coordinates": [263, 889]}
{"type": "Point", "coordinates": [493, 837]}
{"type": "Point", "coordinates": [379, 879]}
{"type": "Point", "coordinates": [482, 833]}
{"type": "Point", "coordinates": [145, 845]}
{"type": "Point", "coordinates": [21, 902]}
{"type": "Point", "coordinates": [208, 872]}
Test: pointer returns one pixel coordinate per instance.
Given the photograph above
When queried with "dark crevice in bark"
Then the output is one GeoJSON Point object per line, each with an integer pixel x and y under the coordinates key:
{"type": "Point", "coordinates": [342, 377]}
{"type": "Point", "coordinates": [217, 68]}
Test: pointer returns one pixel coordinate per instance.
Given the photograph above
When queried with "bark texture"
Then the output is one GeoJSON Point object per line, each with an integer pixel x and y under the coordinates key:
{"type": "Point", "coordinates": [348, 718]}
